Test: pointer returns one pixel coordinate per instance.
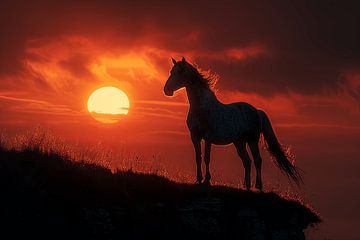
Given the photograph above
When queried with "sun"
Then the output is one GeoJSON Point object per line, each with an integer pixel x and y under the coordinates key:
{"type": "Point", "coordinates": [108, 104]}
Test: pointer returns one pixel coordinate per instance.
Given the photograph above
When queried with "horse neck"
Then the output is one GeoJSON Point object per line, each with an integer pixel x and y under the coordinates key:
{"type": "Point", "coordinates": [200, 97]}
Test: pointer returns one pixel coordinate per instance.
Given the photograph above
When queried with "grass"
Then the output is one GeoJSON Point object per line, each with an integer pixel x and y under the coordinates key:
{"type": "Point", "coordinates": [46, 194]}
{"type": "Point", "coordinates": [44, 140]}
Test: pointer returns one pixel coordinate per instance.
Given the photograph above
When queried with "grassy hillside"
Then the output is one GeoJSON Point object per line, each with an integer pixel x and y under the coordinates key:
{"type": "Point", "coordinates": [45, 195]}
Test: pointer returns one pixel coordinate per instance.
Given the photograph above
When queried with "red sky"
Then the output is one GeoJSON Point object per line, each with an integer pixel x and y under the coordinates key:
{"type": "Point", "coordinates": [298, 61]}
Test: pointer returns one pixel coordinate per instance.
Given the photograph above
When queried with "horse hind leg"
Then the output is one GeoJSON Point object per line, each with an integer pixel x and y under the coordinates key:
{"type": "Point", "coordinates": [254, 148]}
{"type": "Point", "coordinates": [243, 154]}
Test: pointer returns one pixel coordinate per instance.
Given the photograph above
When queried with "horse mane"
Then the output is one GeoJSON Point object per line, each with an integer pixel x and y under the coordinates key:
{"type": "Point", "coordinates": [206, 78]}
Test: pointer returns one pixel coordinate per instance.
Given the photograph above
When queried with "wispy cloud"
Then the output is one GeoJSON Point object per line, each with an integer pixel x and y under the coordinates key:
{"type": "Point", "coordinates": [162, 103]}
{"type": "Point", "coordinates": [28, 105]}
{"type": "Point", "coordinates": [23, 100]}
{"type": "Point", "coordinates": [160, 116]}
{"type": "Point", "coordinates": [350, 82]}
{"type": "Point", "coordinates": [316, 125]}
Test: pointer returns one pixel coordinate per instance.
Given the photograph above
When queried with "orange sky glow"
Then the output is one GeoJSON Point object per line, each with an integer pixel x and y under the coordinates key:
{"type": "Point", "coordinates": [309, 89]}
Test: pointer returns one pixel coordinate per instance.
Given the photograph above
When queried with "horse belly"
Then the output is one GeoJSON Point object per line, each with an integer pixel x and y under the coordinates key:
{"type": "Point", "coordinates": [224, 137]}
{"type": "Point", "coordinates": [230, 126]}
{"type": "Point", "coordinates": [226, 133]}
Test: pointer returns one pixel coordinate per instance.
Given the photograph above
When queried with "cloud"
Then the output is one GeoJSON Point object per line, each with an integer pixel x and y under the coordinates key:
{"type": "Point", "coordinates": [248, 52]}
{"type": "Point", "coordinates": [162, 103]}
{"type": "Point", "coordinates": [318, 126]}
{"type": "Point", "coordinates": [29, 105]}
{"type": "Point", "coordinates": [309, 47]}
{"type": "Point", "coordinates": [134, 66]}
{"type": "Point", "coordinates": [350, 82]}
{"type": "Point", "coordinates": [297, 110]}
{"type": "Point", "coordinates": [62, 51]}
{"type": "Point", "coordinates": [277, 48]}
{"type": "Point", "coordinates": [23, 100]}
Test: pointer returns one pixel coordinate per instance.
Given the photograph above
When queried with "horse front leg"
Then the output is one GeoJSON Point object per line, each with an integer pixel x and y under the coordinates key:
{"type": "Point", "coordinates": [197, 146]}
{"type": "Point", "coordinates": [242, 152]}
{"type": "Point", "coordinates": [207, 162]}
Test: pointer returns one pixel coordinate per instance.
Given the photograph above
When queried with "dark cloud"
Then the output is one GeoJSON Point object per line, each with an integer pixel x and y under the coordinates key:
{"type": "Point", "coordinates": [309, 43]}
{"type": "Point", "coordinates": [77, 65]}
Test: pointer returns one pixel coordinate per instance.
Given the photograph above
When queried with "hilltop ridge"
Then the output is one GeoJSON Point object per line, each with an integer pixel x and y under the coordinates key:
{"type": "Point", "coordinates": [47, 196]}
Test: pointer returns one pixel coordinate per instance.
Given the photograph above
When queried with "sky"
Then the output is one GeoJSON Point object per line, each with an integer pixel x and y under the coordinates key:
{"type": "Point", "coordinates": [297, 60]}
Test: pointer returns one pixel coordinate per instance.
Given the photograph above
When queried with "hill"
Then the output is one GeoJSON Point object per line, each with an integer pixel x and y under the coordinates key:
{"type": "Point", "coordinates": [47, 196]}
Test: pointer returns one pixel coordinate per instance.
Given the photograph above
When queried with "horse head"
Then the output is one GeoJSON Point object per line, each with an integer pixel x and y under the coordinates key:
{"type": "Point", "coordinates": [179, 75]}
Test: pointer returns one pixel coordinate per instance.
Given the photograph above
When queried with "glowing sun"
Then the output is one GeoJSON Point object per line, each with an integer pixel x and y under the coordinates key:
{"type": "Point", "coordinates": [108, 104]}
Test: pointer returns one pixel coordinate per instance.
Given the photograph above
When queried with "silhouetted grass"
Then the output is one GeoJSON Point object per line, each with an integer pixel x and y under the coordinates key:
{"type": "Point", "coordinates": [44, 140]}
{"type": "Point", "coordinates": [45, 195]}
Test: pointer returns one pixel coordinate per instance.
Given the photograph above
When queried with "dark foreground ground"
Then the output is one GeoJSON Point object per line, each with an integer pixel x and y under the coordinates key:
{"type": "Point", "coordinates": [44, 196]}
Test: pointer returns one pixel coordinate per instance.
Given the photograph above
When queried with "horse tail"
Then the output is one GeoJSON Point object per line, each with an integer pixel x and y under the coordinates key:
{"type": "Point", "coordinates": [284, 160]}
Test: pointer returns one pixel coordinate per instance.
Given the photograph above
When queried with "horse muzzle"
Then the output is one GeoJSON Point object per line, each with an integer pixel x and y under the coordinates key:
{"type": "Point", "coordinates": [168, 92]}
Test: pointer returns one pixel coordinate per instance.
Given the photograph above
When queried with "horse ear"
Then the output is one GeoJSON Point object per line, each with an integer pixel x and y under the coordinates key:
{"type": "Point", "coordinates": [183, 59]}
{"type": "Point", "coordinates": [173, 60]}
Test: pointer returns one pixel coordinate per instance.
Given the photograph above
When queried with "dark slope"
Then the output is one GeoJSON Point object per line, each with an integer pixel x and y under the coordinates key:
{"type": "Point", "coordinates": [47, 196]}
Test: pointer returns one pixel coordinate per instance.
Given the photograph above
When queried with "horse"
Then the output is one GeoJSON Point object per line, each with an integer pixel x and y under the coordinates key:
{"type": "Point", "coordinates": [238, 123]}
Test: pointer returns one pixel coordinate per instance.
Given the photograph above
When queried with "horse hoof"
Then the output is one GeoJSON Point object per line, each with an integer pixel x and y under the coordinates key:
{"type": "Point", "coordinates": [259, 187]}
{"type": "Point", "coordinates": [198, 182]}
{"type": "Point", "coordinates": [206, 183]}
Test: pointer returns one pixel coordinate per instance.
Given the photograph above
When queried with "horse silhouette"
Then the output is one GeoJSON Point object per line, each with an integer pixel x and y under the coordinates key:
{"type": "Point", "coordinates": [221, 124]}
